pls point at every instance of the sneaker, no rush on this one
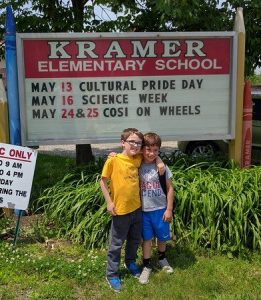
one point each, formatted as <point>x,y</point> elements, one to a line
<point>144,276</point>
<point>114,283</point>
<point>165,266</point>
<point>134,269</point>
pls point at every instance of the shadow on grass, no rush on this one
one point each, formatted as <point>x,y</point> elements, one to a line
<point>179,257</point>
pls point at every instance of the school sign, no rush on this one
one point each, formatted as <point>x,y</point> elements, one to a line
<point>85,88</point>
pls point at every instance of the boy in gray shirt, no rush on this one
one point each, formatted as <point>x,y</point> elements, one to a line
<point>156,206</point>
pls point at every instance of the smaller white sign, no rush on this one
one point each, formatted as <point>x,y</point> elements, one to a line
<point>17,166</point>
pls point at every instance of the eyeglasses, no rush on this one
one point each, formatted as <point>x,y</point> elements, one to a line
<point>134,143</point>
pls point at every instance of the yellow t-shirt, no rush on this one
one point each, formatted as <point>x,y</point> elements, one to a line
<point>124,184</point>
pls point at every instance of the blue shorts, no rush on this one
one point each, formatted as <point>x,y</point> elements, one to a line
<point>154,226</point>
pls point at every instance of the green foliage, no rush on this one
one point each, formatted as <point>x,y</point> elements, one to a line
<point>199,15</point>
<point>255,79</point>
<point>49,170</point>
<point>149,15</point>
<point>252,20</point>
<point>217,206</point>
<point>77,206</point>
<point>46,16</point>
<point>32,271</point>
<point>206,15</point>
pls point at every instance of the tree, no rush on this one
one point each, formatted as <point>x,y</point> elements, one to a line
<point>66,16</point>
<point>252,19</point>
<point>47,16</point>
<point>139,15</point>
<point>211,15</point>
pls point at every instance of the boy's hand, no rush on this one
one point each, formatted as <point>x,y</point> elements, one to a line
<point>112,154</point>
<point>161,168</point>
<point>111,209</point>
<point>167,216</point>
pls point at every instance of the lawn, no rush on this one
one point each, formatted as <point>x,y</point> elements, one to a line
<point>60,270</point>
<point>40,267</point>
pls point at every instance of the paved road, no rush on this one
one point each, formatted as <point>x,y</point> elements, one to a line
<point>97,149</point>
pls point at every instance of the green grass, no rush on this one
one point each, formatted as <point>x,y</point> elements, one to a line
<point>33,271</point>
<point>70,271</point>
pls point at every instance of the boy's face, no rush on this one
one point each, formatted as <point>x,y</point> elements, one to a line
<point>132,145</point>
<point>150,153</point>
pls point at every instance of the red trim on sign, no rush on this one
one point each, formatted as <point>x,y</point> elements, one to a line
<point>216,59</point>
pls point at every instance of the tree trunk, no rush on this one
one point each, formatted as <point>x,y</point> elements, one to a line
<point>84,154</point>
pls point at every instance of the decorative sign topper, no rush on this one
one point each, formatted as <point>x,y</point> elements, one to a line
<point>85,88</point>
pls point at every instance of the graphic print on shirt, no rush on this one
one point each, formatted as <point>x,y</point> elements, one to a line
<point>150,185</point>
<point>152,195</point>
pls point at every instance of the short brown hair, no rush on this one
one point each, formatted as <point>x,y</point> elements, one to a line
<point>152,139</point>
<point>129,131</point>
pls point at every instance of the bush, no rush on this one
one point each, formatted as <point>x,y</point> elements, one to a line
<point>217,206</point>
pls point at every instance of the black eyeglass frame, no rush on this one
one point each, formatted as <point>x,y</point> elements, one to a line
<point>134,143</point>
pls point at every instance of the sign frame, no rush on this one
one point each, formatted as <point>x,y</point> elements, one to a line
<point>26,140</point>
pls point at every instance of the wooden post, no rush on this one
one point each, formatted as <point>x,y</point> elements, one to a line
<point>83,154</point>
<point>4,127</point>
<point>235,146</point>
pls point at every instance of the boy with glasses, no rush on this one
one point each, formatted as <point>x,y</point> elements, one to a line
<point>123,204</point>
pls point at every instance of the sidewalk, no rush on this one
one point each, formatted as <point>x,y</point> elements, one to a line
<point>97,149</point>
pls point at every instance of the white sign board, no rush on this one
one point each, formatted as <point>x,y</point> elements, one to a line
<point>86,88</point>
<point>16,175</point>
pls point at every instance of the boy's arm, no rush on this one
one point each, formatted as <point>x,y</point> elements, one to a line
<point>167,216</point>
<point>106,194</point>
<point>160,165</point>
